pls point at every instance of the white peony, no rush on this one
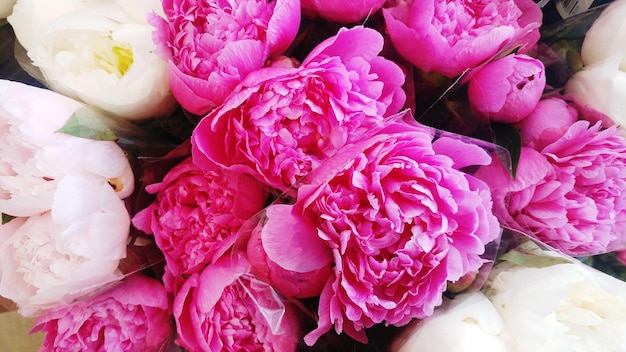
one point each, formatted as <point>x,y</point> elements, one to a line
<point>601,84</point>
<point>563,307</point>
<point>98,52</point>
<point>467,323</point>
<point>607,36</point>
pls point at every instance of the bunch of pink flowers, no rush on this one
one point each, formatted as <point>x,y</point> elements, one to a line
<point>306,200</point>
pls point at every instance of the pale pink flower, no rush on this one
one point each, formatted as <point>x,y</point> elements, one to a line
<point>447,37</point>
<point>211,45</point>
<point>67,192</point>
<point>398,222</point>
<point>225,309</point>
<point>131,316</point>
<point>197,213</point>
<point>282,122</point>
<point>507,89</point>
<point>340,10</point>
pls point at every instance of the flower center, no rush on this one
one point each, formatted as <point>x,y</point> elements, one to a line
<point>81,52</point>
<point>116,60</point>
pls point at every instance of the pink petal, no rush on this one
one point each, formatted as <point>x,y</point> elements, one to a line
<point>291,242</point>
<point>462,153</point>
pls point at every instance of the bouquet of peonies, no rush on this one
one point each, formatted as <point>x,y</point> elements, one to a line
<point>299,175</point>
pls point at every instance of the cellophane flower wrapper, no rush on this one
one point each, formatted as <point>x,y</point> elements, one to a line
<point>289,252</point>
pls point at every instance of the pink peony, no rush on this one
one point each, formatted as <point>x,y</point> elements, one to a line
<point>212,45</point>
<point>398,221</point>
<point>340,10</point>
<point>547,122</point>
<point>197,214</point>
<point>224,309</point>
<point>535,200</point>
<point>282,122</point>
<point>447,37</point>
<point>571,193</point>
<point>507,89</point>
<point>132,316</point>
<point>596,158</point>
<point>297,281</point>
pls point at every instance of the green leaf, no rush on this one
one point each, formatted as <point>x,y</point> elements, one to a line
<point>6,218</point>
<point>507,136</point>
<point>529,254</point>
<point>88,123</point>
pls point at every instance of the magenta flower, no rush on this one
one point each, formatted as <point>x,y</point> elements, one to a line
<point>282,122</point>
<point>535,201</point>
<point>132,316</point>
<point>211,45</point>
<point>398,222</point>
<point>596,158</point>
<point>571,193</point>
<point>507,89</point>
<point>311,258</point>
<point>537,131</point>
<point>224,309</point>
<point>340,10</point>
<point>197,213</point>
<point>456,35</point>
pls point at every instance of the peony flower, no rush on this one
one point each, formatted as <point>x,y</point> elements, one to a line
<point>30,17</point>
<point>131,316</point>
<point>601,86</point>
<point>547,122</point>
<point>282,122</point>
<point>212,45</point>
<point>399,222</point>
<point>312,267</point>
<point>224,309</point>
<point>606,36</point>
<point>475,322</point>
<point>67,252</point>
<point>458,35</point>
<point>569,192</point>
<point>35,158</point>
<point>341,11</point>
<point>6,8</point>
<point>98,52</point>
<point>197,213</point>
<point>535,201</point>
<point>563,307</point>
<point>507,89</point>
<point>596,158</point>
<point>75,226</point>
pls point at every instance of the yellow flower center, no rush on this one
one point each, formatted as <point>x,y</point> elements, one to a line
<point>116,60</point>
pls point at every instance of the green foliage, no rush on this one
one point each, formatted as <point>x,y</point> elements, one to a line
<point>88,123</point>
